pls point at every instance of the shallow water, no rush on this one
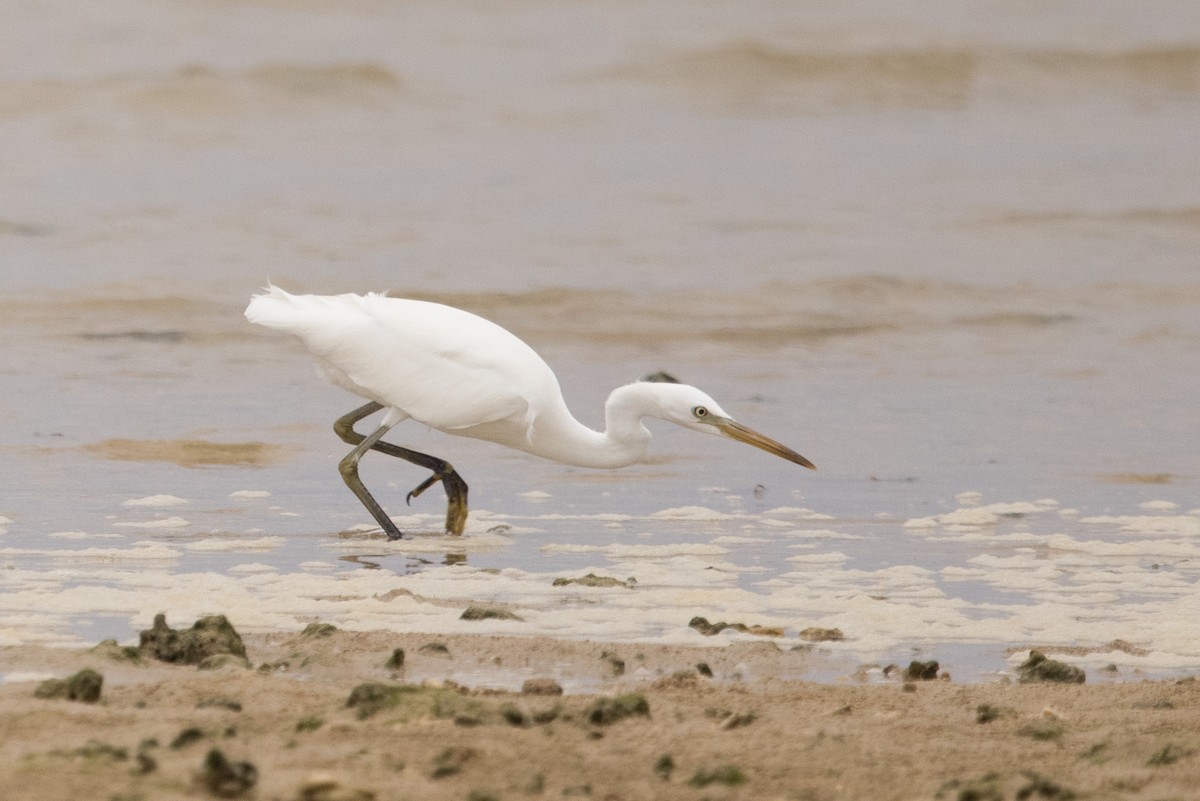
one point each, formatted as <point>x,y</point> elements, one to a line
<point>948,255</point>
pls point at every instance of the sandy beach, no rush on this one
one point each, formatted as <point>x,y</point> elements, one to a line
<point>321,715</point>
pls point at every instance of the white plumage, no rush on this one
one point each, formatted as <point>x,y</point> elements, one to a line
<point>442,366</point>
<point>459,373</point>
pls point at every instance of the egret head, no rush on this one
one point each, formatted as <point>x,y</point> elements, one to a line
<point>691,408</point>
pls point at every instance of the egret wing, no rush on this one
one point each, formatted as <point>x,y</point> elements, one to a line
<point>442,366</point>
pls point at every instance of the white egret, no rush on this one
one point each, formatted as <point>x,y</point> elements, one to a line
<point>463,375</point>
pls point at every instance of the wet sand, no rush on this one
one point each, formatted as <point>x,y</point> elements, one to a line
<point>947,253</point>
<point>669,732</point>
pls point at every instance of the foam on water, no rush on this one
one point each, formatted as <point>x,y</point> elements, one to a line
<point>1046,586</point>
<point>156,501</point>
<point>160,523</point>
<point>222,544</point>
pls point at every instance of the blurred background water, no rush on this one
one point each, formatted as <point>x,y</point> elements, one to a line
<point>939,250</point>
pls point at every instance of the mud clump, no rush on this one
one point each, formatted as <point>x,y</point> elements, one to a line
<point>592,580</point>
<point>319,630</point>
<point>396,660</point>
<point>921,671</point>
<point>1043,730</point>
<point>310,723</point>
<point>986,713</point>
<point>702,625</point>
<point>186,737</point>
<point>113,650</point>
<point>541,687</point>
<point>372,697</point>
<point>814,634</point>
<point>415,702</point>
<point>487,613</point>
<point>1039,668</point>
<point>219,702</point>
<point>1168,755</point>
<point>226,779</point>
<point>451,761</point>
<point>616,664</point>
<point>606,711</point>
<point>1037,786</point>
<point>207,637</point>
<point>97,751</point>
<point>83,686</point>
<point>727,775</point>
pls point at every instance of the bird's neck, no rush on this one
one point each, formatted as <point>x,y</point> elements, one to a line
<point>624,440</point>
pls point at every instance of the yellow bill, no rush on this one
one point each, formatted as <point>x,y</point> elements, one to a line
<point>735,430</point>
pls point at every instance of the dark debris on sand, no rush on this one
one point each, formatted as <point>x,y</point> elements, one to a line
<point>1040,668</point>
<point>702,625</point>
<point>226,779</point>
<point>208,636</point>
<point>83,686</point>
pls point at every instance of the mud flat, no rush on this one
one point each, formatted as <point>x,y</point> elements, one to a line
<point>327,714</point>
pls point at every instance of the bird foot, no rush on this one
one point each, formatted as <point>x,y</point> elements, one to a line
<point>456,497</point>
<point>445,474</point>
<point>424,485</point>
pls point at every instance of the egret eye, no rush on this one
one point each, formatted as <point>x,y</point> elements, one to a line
<point>700,412</point>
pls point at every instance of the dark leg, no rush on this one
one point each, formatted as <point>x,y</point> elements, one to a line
<point>456,488</point>
<point>348,467</point>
